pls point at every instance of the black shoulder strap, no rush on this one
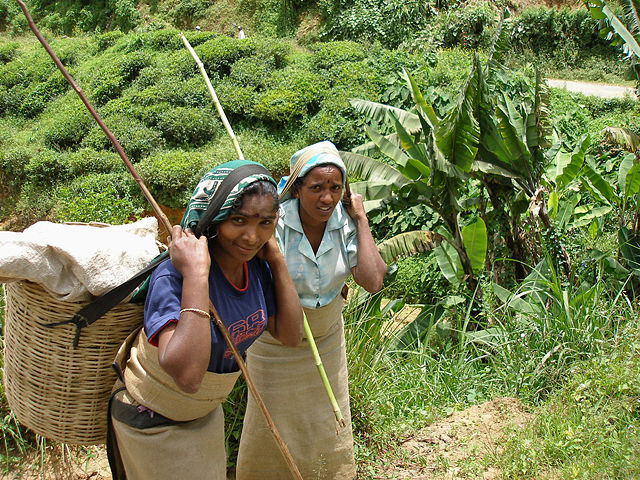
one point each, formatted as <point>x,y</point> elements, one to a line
<point>101,305</point>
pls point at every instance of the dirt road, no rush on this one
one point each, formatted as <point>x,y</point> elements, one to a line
<point>592,88</point>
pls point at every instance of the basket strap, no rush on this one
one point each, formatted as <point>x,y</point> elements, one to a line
<point>102,304</point>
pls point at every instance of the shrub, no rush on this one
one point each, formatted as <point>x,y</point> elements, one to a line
<point>136,139</point>
<point>13,162</point>
<point>280,106</point>
<point>328,55</point>
<point>469,27</point>
<point>8,51</point>
<point>66,122</point>
<point>185,13</point>
<point>109,82</point>
<point>252,72</point>
<point>418,280</point>
<point>171,176</point>
<point>46,168</point>
<point>188,127</point>
<point>86,160</point>
<point>72,16</point>
<point>107,39</point>
<point>39,94</point>
<point>103,197</point>
<point>34,203</point>
<point>235,99</point>
<point>218,54</point>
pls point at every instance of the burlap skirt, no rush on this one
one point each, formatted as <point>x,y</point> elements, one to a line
<point>288,382</point>
<point>192,449</point>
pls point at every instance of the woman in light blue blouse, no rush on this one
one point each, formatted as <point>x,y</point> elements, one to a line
<point>323,241</point>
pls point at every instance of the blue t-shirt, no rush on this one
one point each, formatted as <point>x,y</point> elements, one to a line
<point>243,311</point>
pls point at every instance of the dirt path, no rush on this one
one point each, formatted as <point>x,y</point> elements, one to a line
<point>592,88</point>
<point>452,448</point>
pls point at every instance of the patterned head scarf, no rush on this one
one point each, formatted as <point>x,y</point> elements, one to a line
<point>305,160</point>
<point>206,190</point>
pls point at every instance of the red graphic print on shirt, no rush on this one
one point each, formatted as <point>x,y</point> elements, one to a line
<point>246,329</point>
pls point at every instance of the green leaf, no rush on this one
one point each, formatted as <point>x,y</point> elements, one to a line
<point>416,94</point>
<point>372,190</point>
<point>474,238</point>
<point>599,186</point>
<point>552,204</point>
<point>512,301</point>
<point>584,215</point>
<point>368,168</point>
<point>407,244</point>
<point>379,112</point>
<point>449,263</point>
<point>625,165</point>
<point>632,182</point>
<point>629,247</point>
<point>593,229</point>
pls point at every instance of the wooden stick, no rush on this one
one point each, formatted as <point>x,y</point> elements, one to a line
<point>216,102</point>
<point>165,221</point>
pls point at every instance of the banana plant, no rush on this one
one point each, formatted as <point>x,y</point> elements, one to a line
<point>431,160</point>
<point>623,31</point>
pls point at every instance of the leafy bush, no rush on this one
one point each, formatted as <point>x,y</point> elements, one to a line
<point>65,122</point>
<point>252,72</point>
<point>188,127</point>
<point>172,175</point>
<point>107,39</point>
<point>102,197</point>
<point>109,82</point>
<point>46,168</point>
<point>279,105</point>
<point>85,161</point>
<point>8,51</point>
<point>185,13</point>
<point>38,95</point>
<point>329,54</point>
<point>13,162</point>
<point>136,139</point>
<point>218,54</point>
<point>468,27</point>
<point>71,16</point>
<point>418,280</point>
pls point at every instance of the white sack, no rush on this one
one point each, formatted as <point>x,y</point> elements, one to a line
<point>74,262</point>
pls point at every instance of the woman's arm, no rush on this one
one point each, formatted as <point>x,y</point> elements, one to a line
<point>370,270</point>
<point>184,347</point>
<point>286,324</point>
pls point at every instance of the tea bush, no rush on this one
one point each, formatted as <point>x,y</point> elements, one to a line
<point>46,168</point>
<point>38,95</point>
<point>328,55</point>
<point>136,139</point>
<point>187,127</point>
<point>172,175</point>
<point>8,51</point>
<point>103,197</point>
<point>218,54</point>
<point>86,160</point>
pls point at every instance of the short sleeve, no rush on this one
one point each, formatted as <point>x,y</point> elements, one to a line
<point>351,243</point>
<point>162,304</point>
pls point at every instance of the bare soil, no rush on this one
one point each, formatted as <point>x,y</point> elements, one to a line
<point>443,449</point>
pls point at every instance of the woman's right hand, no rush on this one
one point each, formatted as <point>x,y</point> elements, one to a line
<point>189,255</point>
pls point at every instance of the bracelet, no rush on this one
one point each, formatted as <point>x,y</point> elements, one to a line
<point>196,310</point>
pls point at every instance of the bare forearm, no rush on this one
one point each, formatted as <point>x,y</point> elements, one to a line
<point>185,355</point>
<point>370,270</point>
<point>288,318</point>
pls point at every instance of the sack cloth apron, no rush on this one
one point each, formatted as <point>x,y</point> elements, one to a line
<point>185,433</point>
<point>303,415</point>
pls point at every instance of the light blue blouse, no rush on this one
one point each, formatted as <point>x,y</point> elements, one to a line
<point>318,277</point>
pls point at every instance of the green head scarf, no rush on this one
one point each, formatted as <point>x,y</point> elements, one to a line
<point>208,186</point>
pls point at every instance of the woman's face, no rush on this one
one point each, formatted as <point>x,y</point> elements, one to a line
<point>247,229</point>
<point>320,192</point>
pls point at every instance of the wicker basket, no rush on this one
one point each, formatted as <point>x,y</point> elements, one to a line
<point>55,390</point>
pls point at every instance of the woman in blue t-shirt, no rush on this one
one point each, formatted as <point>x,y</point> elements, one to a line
<point>166,417</point>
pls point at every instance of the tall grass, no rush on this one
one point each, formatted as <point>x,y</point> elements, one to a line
<point>531,350</point>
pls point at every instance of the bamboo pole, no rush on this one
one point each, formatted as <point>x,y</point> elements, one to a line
<point>165,221</point>
<point>216,102</point>
<point>323,374</point>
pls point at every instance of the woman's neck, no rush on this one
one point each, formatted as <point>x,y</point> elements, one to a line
<point>232,269</point>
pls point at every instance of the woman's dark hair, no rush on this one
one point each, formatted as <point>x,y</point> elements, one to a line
<point>297,183</point>
<point>261,187</point>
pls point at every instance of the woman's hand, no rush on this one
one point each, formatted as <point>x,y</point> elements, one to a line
<point>270,252</point>
<point>355,207</point>
<point>189,255</point>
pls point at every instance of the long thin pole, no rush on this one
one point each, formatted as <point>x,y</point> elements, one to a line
<point>212,92</point>
<point>165,221</point>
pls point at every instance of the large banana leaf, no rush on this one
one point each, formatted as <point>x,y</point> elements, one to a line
<point>449,262</point>
<point>630,248</point>
<point>426,108</point>
<point>632,182</point>
<point>408,244</point>
<point>474,238</point>
<point>596,184</point>
<point>623,137</point>
<point>458,133</point>
<point>366,167</point>
<point>417,157</point>
<point>512,130</point>
<point>372,190</point>
<point>371,148</point>
<point>379,112</point>
<point>585,214</point>
<point>600,11</point>
<point>566,166</point>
